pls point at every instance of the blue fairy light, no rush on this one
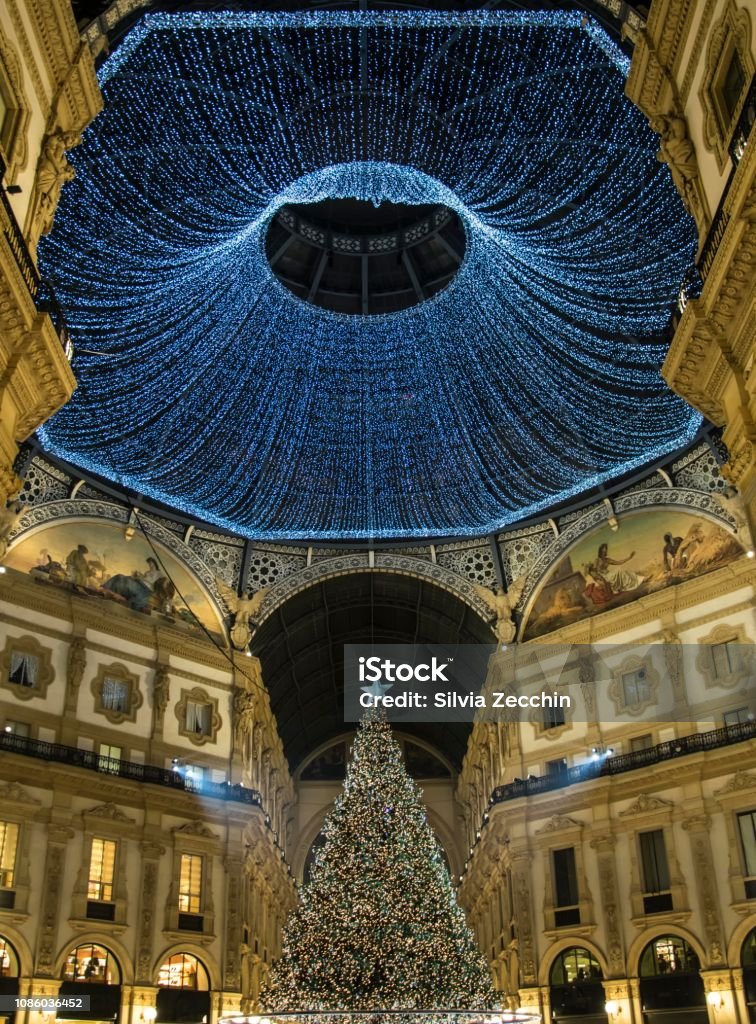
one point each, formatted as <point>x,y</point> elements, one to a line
<point>532,377</point>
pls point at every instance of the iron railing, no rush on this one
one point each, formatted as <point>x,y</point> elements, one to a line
<point>670,749</point>
<point>150,773</point>
<point>744,127</point>
<point>40,290</point>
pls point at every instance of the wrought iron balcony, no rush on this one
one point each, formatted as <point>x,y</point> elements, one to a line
<point>149,773</point>
<point>622,763</point>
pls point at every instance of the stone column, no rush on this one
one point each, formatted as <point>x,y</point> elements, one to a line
<point>706,885</point>
<point>604,845</point>
<point>523,911</point>
<point>232,961</point>
<point>151,854</point>
<point>47,941</point>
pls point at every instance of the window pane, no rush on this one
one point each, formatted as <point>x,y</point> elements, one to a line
<point>18,728</point>
<point>24,669</point>
<point>198,718</point>
<point>747,825</point>
<point>101,870</point>
<point>553,718</point>
<point>190,884</point>
<point>8,845</point>
<point>109,759</point>
<point>654,861</point>
<point>565,878</point>
<point>737,717</point>
<point>115,694</point>
<point>642,742</point>
<point>723,656</point>
<point>732,84</point>
<point>635,687</point>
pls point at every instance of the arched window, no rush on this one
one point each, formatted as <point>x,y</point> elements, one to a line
<point>96,967</point>
<point>8,960</point>
<point>576,989</point>
<point>183,970</point>
<point>92,964</point>
<point>184,996</point>
<point>670,981</point>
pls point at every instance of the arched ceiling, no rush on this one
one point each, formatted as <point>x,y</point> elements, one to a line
<point>534,375</point>
<point>301,651</point>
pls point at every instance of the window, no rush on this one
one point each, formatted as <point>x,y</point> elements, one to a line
<point>8,960</point>
<point>731,88</point>
<point>557,766</point>
<point>642,742</point>
<point>24,669</point>
<point>101,870</point>
<point>565,887</point>
<point>635,687</point>
<point>116,695</point>
<point>8,847</point>
<point>747,829</point>
<point>109,759</point>
<point>199,718</point>
<point>668,955</point>
<point>190,884</point>
<point>194,775</point>
<point>740,716</point>
<point>655,872</point>
<point>724,658</point>
<point>18,728</point>
<point>182,970</point>
<point>575,965</point>
<point>553,718</point>
<point>93,964</point>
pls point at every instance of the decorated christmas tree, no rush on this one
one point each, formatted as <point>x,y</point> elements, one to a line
<point>378,926</point>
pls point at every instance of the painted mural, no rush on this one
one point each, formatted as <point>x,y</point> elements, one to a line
<point>95,559</point>
<point>610,568</point>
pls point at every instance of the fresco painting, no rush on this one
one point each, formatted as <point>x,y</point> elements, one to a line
<point>610,568</point>
<point>95,559</point>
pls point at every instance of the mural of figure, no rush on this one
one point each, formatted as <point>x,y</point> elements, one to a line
<point>143,590</point>
<point>670,557</point>
<point>620,580</point>
<point>77,566</point>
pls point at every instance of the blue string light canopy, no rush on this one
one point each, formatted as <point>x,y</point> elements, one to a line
<point>534,375</point>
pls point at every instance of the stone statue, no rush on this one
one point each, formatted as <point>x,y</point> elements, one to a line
<point>245,610</point>
<point>53,170</point>
<point>9,517</point>
<point>502,603</point>
<point>244,716</point>
<point>77,662</point>
<point>677,152</point>
<point>161,689</point>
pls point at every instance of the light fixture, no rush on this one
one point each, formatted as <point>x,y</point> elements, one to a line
<point>149,1013</point>
<point>613,1008</point>
<point>297,415</point>
<point>750,553</point>
<point>2,568</point>
<point>714,999</point>
<point>12,190</point>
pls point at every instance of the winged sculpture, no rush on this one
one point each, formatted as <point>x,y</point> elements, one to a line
<point>245,610</point>
<point>502,603</point>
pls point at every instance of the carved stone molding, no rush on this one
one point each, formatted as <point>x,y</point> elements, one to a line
<point>645,803</point>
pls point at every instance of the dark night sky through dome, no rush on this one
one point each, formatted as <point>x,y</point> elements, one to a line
<point>533,376</point>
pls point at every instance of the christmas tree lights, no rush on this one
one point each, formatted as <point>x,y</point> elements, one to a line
<point>378,926</point>
<point>205,384</point>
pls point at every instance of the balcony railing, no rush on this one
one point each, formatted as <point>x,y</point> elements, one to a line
<point>40,290</point>
<point>744,127</point>
<point>667,751</point>
<point>150,773</point>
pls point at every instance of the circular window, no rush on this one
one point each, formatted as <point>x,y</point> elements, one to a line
<point>351,256</point>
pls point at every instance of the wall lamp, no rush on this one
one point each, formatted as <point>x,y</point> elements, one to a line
<point>714,999</point>
<point>149,1013</point>
<point>613,1009</point>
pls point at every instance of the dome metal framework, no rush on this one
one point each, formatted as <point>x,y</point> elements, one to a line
<point>529,377</point>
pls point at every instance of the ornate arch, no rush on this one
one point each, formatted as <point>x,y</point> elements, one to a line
<point>107,941</point>
<point>21,948</point>
<point>35,517</point>
<point>680,499</point>
<point>204,957</point>
<point>640,942</point>
<point>362,562</point>
<point>739,934</point>
<point>570,942</point>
